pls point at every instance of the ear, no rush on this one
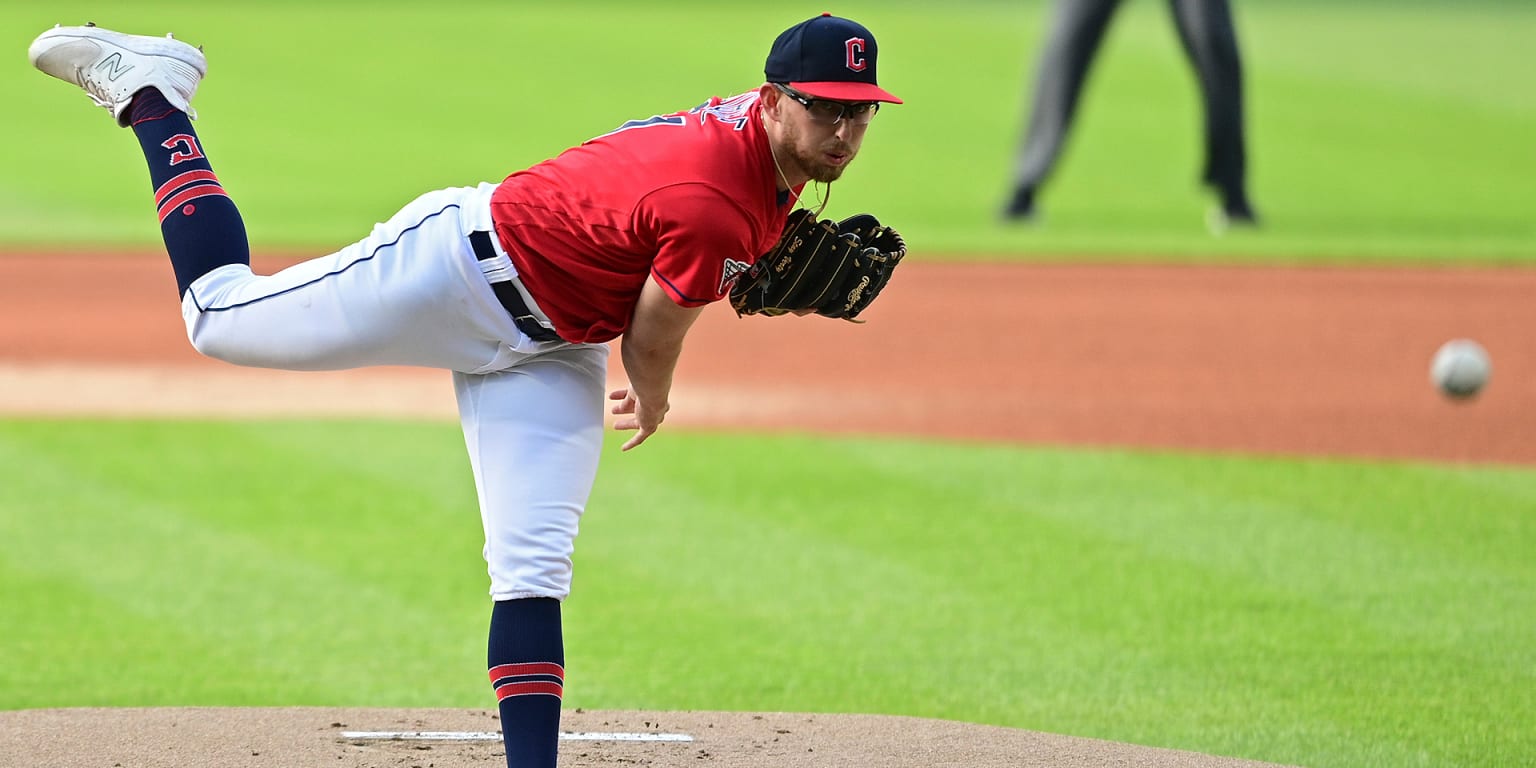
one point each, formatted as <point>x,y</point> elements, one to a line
<point>768,98</point>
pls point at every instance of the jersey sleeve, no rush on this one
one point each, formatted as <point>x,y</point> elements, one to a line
<point>703,241</point>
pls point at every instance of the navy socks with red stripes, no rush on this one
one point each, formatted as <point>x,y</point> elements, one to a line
<point>526,655</point>
<point>200,224</point>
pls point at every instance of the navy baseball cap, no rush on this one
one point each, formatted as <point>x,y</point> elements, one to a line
<point>829,58</point>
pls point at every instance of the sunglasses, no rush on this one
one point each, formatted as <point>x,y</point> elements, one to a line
<point>832,112</point>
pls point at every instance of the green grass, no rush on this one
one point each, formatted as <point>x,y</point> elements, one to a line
<point>1384,132</point>
<point>1306,612</point>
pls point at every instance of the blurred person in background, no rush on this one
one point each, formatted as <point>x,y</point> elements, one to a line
<point>1209,39</point>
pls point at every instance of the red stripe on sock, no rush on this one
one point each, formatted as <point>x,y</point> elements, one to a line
<point>530,688</point>
<point>204,190</point>
<point>182,180</point>
<point>147,118</point>
<point>535,668</point>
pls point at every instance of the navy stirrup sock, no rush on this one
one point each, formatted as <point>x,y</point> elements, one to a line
<point>200,224</point>
<point>526,655</point>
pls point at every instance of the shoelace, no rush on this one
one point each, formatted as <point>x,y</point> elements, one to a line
<point>97,93</point>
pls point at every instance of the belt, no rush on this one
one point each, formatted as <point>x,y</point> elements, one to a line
<point>507,293</point>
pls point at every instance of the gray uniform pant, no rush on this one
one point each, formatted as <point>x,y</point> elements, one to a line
<point>1209,39</point>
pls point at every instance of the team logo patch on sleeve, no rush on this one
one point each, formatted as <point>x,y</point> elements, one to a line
<point>730,271</point>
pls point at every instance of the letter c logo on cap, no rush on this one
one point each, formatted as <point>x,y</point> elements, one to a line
<point>855,48</point>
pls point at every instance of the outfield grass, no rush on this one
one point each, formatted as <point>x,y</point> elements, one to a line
<point>1308,612</point>
<point>1379,131</point>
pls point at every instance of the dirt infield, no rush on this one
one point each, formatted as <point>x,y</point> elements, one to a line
<point>1302,361</point>
<point>326,738</point>
<point>1296,361</point>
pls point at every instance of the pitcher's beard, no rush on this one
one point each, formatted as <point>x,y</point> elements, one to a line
<point>826,174</point>
<point>820,171</point>
<point>810,163</point>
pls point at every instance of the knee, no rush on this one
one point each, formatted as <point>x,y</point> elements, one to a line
<point>205,342</point>
<point>222,341</point>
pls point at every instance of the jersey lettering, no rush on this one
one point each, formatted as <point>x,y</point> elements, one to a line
<point>735,111</point>
<point>653,120</point>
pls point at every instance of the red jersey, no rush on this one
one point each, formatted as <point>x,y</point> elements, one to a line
<point>689,197</point>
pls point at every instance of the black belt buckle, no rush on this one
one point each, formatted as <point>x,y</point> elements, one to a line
<point>511,300</point>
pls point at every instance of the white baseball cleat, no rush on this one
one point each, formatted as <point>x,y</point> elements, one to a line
<point>112,66</point>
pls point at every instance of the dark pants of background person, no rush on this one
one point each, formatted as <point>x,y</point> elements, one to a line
<point>1209,39</point>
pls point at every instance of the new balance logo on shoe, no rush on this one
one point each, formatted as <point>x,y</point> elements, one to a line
<point>113,67</point>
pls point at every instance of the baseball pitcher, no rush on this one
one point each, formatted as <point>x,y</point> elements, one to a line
<point>517,287</point>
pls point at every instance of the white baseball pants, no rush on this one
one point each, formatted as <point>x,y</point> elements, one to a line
<point>413,293</point>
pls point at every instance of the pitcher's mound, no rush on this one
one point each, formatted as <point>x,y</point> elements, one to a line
<point>447,738</point>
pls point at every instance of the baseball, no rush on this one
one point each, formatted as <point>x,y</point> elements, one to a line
<point>1460,368</point>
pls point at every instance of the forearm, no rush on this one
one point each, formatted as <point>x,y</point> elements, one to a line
<point>650,350</point>
<point>649,364</point>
